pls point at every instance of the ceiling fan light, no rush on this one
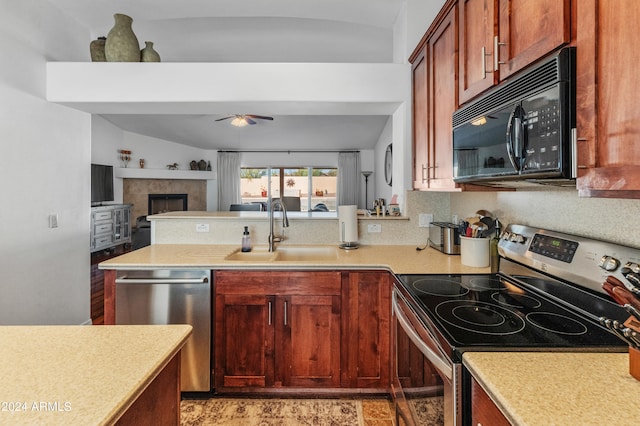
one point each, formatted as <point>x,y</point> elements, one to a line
<point>239,122</point>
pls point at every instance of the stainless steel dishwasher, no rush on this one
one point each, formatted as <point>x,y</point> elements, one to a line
<point>165,296</point>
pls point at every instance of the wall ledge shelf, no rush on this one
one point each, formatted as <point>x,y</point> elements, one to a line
<point>136,173</point>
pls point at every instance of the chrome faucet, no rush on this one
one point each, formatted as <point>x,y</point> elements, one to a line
<point>285,223</point>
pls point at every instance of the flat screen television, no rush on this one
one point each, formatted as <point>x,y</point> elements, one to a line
<point>101,184</point>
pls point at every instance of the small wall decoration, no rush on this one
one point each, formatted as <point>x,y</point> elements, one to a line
<point>173,166</point>
<point>388,165</point>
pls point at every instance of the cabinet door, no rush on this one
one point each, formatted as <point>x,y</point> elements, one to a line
<point>483,410</point>
<point>607,113</point>
<point>308,335</point>
<point>244,340</point>
<point>367,323</point>
<point>528,30</point>
<point>477,29</point>
<point>420,120</point>
<point>443,101</point>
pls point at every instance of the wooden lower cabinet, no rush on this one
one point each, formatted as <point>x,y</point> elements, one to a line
<point>366,321</point>
<point>277,329</point>
<point>484,411</point>
<point>301,329</point>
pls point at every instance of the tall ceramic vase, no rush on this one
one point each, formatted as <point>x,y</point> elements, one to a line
<point>122,44</point>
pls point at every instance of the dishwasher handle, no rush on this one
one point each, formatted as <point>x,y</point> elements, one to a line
<point>124,280</point>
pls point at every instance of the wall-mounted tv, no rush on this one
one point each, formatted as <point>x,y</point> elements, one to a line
<point>101,184</point>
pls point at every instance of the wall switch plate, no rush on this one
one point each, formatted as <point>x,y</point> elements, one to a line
<point>424,219</point>
<point>374,228</point>
<point>454,219</point>
<point>53,220</point>
<point>202,227</point>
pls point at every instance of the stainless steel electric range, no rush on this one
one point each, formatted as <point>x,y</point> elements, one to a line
<point>547,296</point>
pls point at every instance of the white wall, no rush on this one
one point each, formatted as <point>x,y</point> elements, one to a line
<point>44,169</point>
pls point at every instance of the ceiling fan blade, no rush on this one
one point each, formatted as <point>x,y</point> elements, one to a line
<point>248,120</point>
<point>225,118</point>
<point>261,117</point>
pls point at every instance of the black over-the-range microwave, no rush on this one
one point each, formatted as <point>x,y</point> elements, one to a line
<point>521,130</point>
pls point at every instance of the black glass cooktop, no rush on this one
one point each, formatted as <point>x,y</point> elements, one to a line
<point>492,311</point>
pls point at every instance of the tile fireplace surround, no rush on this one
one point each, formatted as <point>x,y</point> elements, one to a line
<point>136,192</point>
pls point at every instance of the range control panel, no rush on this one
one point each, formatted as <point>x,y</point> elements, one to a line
<point>570,257</point>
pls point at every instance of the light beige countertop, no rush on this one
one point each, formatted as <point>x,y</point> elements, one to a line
<point>80,375</point>
<point>555,388</point>
<point>397,259</point>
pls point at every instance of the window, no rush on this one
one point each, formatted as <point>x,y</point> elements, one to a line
<point>315,187</point>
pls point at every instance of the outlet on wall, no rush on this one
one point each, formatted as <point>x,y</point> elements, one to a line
<point>424,219</point>
<point>374,228</point>
<point>202,227</point>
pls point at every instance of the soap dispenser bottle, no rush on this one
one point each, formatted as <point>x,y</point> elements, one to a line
<point>246,240</point>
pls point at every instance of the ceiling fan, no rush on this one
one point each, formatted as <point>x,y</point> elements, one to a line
<point>240,120</point>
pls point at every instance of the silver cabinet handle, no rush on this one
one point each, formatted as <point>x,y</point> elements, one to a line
<point>484,62</point>
<point>285,312</point>
<point>496,54</point>
<point>269,313</point>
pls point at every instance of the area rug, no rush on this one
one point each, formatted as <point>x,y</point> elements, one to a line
<point>264,412</point>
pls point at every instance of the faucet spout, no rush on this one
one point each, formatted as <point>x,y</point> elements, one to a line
<point>285,223</point>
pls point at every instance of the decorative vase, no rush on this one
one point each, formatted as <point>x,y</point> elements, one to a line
<point>122,44</point>
<point>148,54</point>
<point>96,48</point>
<point>208,166</point>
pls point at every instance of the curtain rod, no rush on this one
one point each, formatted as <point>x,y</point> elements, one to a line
<point>288,151</point>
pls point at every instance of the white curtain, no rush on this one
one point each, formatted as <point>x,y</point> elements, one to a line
<point>348,178</point>
<point>228,180</point>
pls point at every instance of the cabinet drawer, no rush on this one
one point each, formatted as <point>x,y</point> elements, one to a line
<point>102,240</point>
<point>106,215</point>
<point>102,228</point>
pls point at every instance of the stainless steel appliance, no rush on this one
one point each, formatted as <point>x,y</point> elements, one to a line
<point>546,296</point>
<point>172,297</point>
<point>523,129</point>
<point>445,237</point>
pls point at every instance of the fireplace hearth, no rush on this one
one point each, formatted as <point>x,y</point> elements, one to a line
<point>162,203</point>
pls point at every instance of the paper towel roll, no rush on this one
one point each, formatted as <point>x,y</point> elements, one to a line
<point>348,224</point>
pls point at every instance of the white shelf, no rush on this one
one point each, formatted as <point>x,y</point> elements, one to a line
<point>136,173</point>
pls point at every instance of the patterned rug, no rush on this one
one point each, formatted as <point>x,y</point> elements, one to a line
<point>317,412</point>
<point>263,412</point>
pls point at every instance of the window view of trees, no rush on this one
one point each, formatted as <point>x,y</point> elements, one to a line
<point>314,187</point>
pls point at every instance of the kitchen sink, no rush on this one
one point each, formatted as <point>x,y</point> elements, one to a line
<point>305,253</point>
<point>285,254</point>
<point>258,254</point>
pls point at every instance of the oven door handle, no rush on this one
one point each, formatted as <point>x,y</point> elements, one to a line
<point>439,363</point>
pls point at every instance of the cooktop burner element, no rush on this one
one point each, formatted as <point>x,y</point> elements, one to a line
<point>439,287</point>
<point>556,323</point>
<point>483,283</point>
<point>480,317</point>
<point>516,300</point>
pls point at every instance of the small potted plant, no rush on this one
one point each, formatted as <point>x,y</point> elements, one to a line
<point>263,191</point>
<point>319,192</point>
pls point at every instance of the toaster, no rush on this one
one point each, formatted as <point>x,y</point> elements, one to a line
<point>444,236</point>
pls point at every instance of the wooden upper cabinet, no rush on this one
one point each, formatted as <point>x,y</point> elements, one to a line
<point>477,31</point>
<point>608,117</point>
<point>521,32</point>
<point>528,30</point>
<point>442,101</point>
<point>435,70</point>
<point>420,120</point>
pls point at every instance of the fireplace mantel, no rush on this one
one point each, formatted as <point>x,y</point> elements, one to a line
<point>135,173</point>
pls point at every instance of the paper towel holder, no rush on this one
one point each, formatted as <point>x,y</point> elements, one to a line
<point>348,227</point>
